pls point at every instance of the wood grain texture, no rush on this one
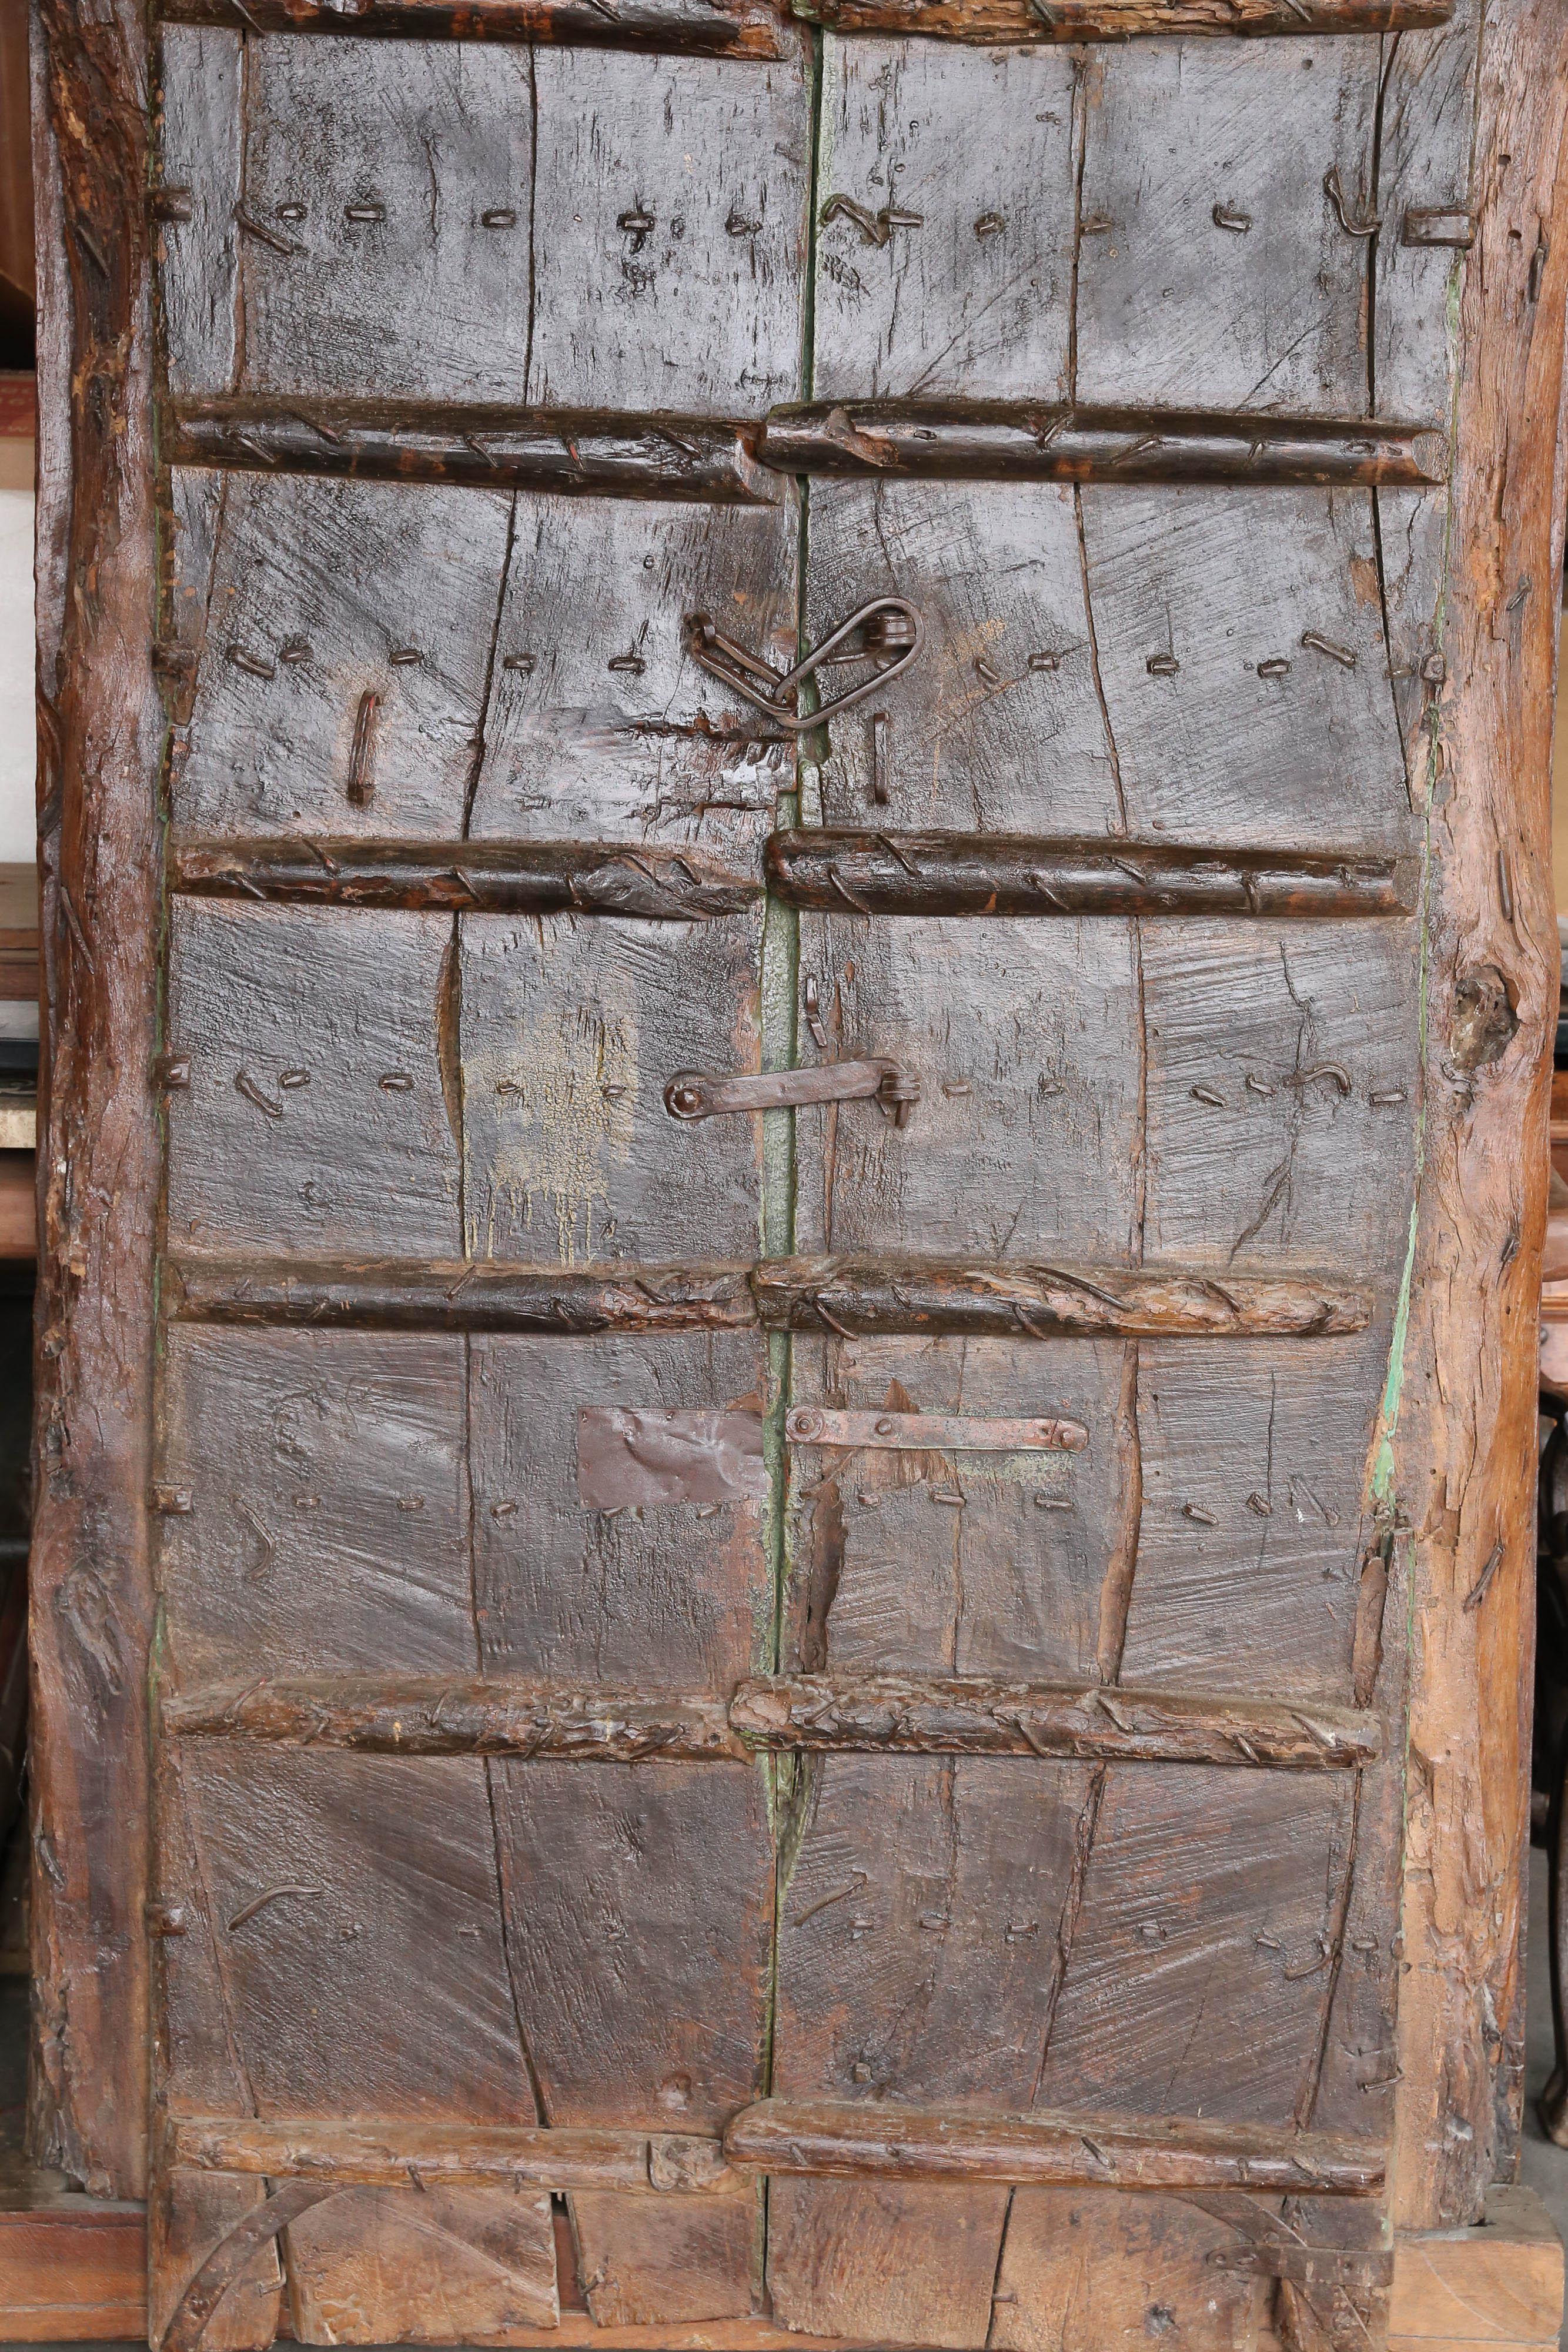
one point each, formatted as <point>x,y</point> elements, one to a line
<point>730,28</point>
<point>1119,20</point>
<point>1463,1462</point>
<point>98,736</point>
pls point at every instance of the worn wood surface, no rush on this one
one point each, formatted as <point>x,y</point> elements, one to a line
<point>98,736</point>
<point>1463,1466</point>
<point>507,375</point>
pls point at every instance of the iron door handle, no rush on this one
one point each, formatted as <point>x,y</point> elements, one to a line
<point>704,1094</point>
<point>889,633</point>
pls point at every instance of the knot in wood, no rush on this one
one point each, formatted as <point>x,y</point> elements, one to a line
<point>1485,1020</point>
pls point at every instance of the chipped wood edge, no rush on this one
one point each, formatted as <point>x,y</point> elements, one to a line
<point>1458,1462</point>
<point>99,734</point>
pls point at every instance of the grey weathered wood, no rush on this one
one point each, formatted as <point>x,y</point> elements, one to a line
<point>600,727</point>
<point>1172,307</point>
<point>571,1029</point>
<point>971,296</point>
<point>1214,750</point>
<point>692,313</point>
<point>1024,1040</point>
<point>1281,1092</point>
<point>320,593</point>
<point>199,162</point>
<point>1251,1538</point>
<point>345,1006</point>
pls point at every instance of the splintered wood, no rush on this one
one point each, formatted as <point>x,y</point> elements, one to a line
<point>824,1052</point>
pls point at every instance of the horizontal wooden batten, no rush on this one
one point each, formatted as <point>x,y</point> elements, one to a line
<point>716,28</point>
<point>1017,441</point>
<point>854,1296</point>
<point>970,1715</point>
<point>994,874</point>
<point>466,876</point>
<point>690,460</point>
<point>877,2140</point>
<point>357,2152</point>
<point>952,1715</point>
<point>988,21</point>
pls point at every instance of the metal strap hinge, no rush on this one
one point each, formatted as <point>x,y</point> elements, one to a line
<point>702,1094</point>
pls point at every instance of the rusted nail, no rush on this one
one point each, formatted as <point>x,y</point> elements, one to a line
<point>172,1071</point>
<point>1275,667</point>
<point>166,1919</point>
<point>989,225</point>
<point>251,227</point>
<point>291,212</point>
<point>506,1510</point>
<point>273,1894</point>
<point>294,651</point>
<point>987,672</point>
<point>361,786</point>
<point>245,1085</point>
<point>1162,665</point>
<point>738,226</point>
<point>1224,216</point>
<point>1383,1096</point>
<point>949,1495</point>
<point>1045,660</point>
<point>1259,1506</point>
<point>814,1012</point>
<point>638,225</point>
<point>631,664</point>
<point>404,656</point>
<point>498,216</point>
<point>1477,1591</point>
<point>1434,669</point>
<point>612,1089</point>
<point>1196,1511</point>
<point>171,1502</point>
<point>878,757</point>
<point>1518,596</point>
<point>876,227</point>
<point>253,664</point>
<point>1208,1094</point>
<point>1256,1086</point>
<point>1317,643</point>
<point>1504,887</point>
<point>293,1079</point>
<point>172,205</point>
<point>367,211</point>
<point>1439,224</point>
<point>521,663</point>
<point>1353,222</point>
<point>1335,1070</point>
<point>395,1082</point>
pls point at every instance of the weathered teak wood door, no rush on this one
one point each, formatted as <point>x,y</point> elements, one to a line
<point>783,1602</point>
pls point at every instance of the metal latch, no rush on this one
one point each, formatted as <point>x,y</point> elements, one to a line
<point>888,632</point>
<point>701,1094</point>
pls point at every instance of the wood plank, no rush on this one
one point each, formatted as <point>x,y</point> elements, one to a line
<point>1266,317</point>
<point>1499,2283</point>
<point>98,748</point>
<point>571,1030</point>
<point>1464,1445</point>
<point>311,1046</point>
<point>18,1205</point>
<point>73,2271</point>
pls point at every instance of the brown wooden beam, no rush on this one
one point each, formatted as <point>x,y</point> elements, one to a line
<point>1018,441</point>
<point>717,28</point>
<point>999,874</point>
<point>370,2153</point>
<point>587,452</point>
<point>970,1715</point>
<point>954,1714</point>
<point>988,21</point>
<point>875,2140</point>
<point>852,1296</point>
<point>466,876</point>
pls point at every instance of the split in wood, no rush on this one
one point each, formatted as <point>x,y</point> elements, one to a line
<point>1012,441</point>
<point>985,874</point>
<point>954,1714</point>
<point>852,1297</point>
<point>877,2140</point>
<point>586,452</point>
<point>466,876</point>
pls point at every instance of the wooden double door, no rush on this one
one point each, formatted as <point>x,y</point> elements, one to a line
<point>800,669</point>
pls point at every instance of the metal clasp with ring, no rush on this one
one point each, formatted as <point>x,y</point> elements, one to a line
<point>889,633</point>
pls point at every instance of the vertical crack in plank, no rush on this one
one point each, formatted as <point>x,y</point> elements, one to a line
<point>477,746</point>
<point>1066,1921</point>
<point>533,217</point>
<point>1335,1927</point>
<point>236,381</point>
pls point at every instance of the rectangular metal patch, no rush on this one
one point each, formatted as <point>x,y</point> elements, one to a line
<point>673,1457</point>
